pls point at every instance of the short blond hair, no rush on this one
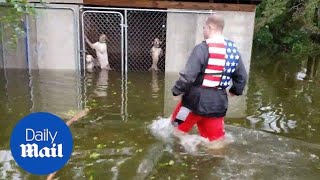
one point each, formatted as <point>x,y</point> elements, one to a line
<point>216,19</point>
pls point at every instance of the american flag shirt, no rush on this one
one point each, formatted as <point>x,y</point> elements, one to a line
<point>222,62</point>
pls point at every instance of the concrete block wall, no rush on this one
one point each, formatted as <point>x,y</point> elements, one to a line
<point>179,39</point>
<point>54,38</point>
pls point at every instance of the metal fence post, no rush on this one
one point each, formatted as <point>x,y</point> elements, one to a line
<point>2,45</point>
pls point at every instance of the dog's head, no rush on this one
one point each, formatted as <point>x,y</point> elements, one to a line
<point>304,70</point>
<point>103,38</point>
<point>89,58</point>
<point>156,42</point>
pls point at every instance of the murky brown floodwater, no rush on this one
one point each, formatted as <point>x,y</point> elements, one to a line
<point>279,138</point>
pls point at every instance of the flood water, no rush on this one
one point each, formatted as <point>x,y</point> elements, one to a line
<point>126,135</point>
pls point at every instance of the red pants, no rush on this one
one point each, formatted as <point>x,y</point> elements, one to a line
<point>210,128</point>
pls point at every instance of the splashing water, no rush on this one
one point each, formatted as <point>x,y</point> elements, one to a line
<point>163,130</point>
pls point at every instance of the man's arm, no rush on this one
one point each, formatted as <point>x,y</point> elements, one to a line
<point>239,79</point>
<point>190,72</point>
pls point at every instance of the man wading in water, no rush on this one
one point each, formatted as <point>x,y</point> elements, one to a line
<point>211,67</point>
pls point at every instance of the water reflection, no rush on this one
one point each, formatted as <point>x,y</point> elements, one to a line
<point>17,97</point>
<point>8,165</point>
<point>58,92</point>
<point>105,91</point>
<point>155,84</point>
<point>101,88</point>
<point>150,160</point>
<point>280,103</point>
<point>145,94</point>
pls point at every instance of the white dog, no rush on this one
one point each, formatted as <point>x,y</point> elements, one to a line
<point>91,63</point>
<point>101,51</point>
<point>302,74</point>
<point>156,52</point>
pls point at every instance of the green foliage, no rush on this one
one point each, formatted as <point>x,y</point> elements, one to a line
<point>264,37</point>
<point>288,26</point>
<point>269,10</point>
<point>12,16</point>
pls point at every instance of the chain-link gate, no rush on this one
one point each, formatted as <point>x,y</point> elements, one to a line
<point>143,28</point>
<point>96,23</point>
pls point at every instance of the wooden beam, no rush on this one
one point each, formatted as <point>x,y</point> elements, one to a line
<point>172,5</point>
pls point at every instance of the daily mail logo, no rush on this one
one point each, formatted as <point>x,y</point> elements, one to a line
<point>41,143</point>
<point>32,150</point>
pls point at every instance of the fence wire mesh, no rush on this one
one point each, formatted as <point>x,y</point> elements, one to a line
<point>96,23</point>
<point>143,28</point>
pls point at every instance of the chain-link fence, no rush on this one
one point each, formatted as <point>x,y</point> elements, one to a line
<point>143,28</point>
<point>95,23</point>
<point>140,29</point>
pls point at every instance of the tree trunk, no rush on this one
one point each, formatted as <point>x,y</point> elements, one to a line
<point>276,67</point>
<point>316,65</point>
<point>310,67</point>
<point>318,15</point>
<point>316,59</point>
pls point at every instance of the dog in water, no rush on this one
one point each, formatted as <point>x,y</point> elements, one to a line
<point>156,53</point>
<point>101,50</point>
<point>302,74</point>
<point>92,64</point>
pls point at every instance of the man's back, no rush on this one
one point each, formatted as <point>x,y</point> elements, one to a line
<point>207,101</point>
<point>211,67</point>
